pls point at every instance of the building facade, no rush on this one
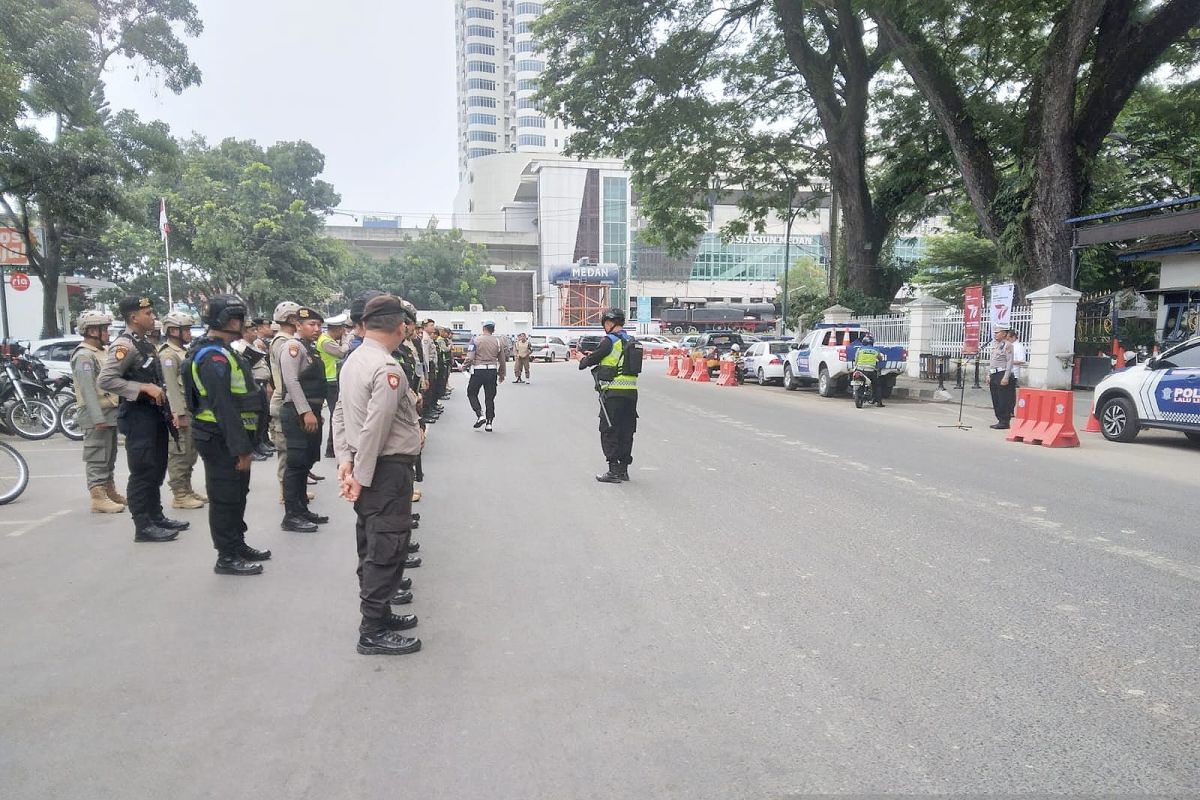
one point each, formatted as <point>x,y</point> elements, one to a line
<point>498,70</point>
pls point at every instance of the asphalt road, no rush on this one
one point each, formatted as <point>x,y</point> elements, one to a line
<point>792,597</point>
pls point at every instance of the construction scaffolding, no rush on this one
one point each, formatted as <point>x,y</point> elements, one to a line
<point>582,303</point>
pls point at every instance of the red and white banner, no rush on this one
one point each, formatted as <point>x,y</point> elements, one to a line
<point>1002,301</point>
<point>972,319</point>
<point>164,227</point>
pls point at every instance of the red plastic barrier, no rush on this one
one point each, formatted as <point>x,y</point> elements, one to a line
<point>728,376</point>
<point>685,367</point>
<point>672,366</point>
<point>700,370</point>
<point>1045,417</point>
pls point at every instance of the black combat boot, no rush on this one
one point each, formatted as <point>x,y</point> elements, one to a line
<point>312,516</point>
<point>297,523</point>
<point>414,546</point>
<point>412,563</point>
<point>403,597</point>
<point>248,553</point>
<point>406,583</point>
<point>624,473</point>
<point>149,532</point>
<point>382,642</point>
<point>236,565</point>
<point>395,622</point>
<point>613,475</point>
<point>171,524</point>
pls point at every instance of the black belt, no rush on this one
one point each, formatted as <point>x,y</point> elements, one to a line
<point>398,458</point>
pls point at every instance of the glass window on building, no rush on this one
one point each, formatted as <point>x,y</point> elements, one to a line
<point>524,27</point>
<point>476,152</point>
<point>481,66</point>
<point>527,103</point>
<point>481,83</point>
<point>481,136</point>
<point>481,102</point>
<point>530,65</point>
<point>528,8</point>
<point>526,47</point>
<point>531,140</point>
<point>481,49</point>
<point>614,219</point>
<point>480,13</point>
<point>481,30</point>
<point>527,85</point>
<point>481,119</point>
<point>531,122</point>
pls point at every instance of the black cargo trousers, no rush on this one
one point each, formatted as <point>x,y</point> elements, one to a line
<point>383,530</point>
<point>619,426</point>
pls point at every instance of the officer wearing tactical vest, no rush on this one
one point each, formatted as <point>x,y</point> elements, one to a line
<point>616,364</point>
<point>97,413</point>
<point>226,405</point>
<point>331,346</point>
<point>181,454</point>
<point>303,388</point>
<point>867,358</point>
<point>132,371</point>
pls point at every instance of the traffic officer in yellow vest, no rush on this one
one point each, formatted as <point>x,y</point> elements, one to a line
<point>332,347</point>
<point>97,413</point>
<point>303,394</point>
<point>616,381</point>
<point>226,405</point>
<point>133,372</point>
<point>181,454</point>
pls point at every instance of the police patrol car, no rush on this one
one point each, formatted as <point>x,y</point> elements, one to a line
<point>1163,392</point>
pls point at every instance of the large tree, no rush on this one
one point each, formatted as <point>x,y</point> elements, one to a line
<point>704,99</point>
<point>1025,92</point>
<point>440,271</point>
<point>63,175</point>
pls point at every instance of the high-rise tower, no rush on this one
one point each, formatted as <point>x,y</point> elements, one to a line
<point>498,70</point>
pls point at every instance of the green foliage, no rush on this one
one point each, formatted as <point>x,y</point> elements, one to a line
<point>807,307</point>
<point>954,261</point>
<point>440,270</point>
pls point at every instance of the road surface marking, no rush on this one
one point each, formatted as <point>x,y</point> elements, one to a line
<point>37,524</point>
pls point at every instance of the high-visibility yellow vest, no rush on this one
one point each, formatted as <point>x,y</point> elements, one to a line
<point>867,358</point>
<point>329,361</point>
<point>627,383</point>
<point>248,404</point>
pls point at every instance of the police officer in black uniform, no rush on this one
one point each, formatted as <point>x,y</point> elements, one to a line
<point>132,372</point>
<point>226,406</point>
<point>304,389</point>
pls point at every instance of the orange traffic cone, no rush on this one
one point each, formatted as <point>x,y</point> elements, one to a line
<point>1119,354</point>
<point>1093,424</point>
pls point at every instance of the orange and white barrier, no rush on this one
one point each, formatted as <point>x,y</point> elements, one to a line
<point>672,366</point>
<point>700,371</point>
<point>1045,417</point>
<point>728,376</point>
<point>686,365</point>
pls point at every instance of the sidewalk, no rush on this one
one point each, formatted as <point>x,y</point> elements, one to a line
<point>926,391</point>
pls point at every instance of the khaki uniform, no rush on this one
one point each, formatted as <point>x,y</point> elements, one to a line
<point>278,344</point>
<point>182,454</point>
<point>376,429</point>
<point>487,358</point>
<point>95,408</point>
<point>522,355</point>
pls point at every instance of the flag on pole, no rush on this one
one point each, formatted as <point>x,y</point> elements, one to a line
<point>164,227</point>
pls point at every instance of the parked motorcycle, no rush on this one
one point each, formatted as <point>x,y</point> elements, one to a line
<point>26,405</point>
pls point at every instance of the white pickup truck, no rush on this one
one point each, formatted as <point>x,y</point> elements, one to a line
<point>823,356</point>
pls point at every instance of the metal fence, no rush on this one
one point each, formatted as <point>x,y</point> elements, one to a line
<point>888,329</point>
<point>948,331</point>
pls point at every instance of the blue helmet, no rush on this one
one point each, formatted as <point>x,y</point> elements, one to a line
<point>867,339</point>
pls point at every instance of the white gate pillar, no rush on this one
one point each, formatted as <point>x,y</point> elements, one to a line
<point>921,315</point>
<point>1051,342</point>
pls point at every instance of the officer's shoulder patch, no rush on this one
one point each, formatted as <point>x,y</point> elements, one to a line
<point>393,380</point>
<point>219,358</point>
<point>120,351</point>
<point>294,350</point>
<point>86,366</point>
<point>168,362</point>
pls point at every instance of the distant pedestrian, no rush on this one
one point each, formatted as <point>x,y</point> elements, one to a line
<point>1003,388</point>
<point>487,358</point>
<point>377,436</point>
<point>1020,357</point>
<point>522,355</point>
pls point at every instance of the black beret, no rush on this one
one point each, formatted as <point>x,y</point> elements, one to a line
<point>383,304</point>
<point>309,313</point>
<point>360,303</point>
<point>130,304</point>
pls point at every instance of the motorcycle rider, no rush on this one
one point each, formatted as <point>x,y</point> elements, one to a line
<point>867,359</point>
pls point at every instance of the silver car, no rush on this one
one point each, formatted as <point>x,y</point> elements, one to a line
<point>549,348</point>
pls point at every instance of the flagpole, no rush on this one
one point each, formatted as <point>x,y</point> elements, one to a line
<point>167,249</point>
<point>164,230</point>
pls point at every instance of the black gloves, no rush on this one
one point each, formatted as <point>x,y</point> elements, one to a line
<point>582,366</point>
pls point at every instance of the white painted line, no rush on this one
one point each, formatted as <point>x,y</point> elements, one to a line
<point>62,475</point>
<point>37,524</point>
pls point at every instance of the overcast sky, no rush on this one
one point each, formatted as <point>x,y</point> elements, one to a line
<point>370,83</point>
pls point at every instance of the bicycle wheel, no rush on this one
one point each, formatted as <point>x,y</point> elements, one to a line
<point>14,473</point>
<point>33,419</point>
<point>68,421</point>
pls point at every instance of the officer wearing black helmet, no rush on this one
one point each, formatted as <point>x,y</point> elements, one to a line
<point>226,407</point>
<point>616,364</point>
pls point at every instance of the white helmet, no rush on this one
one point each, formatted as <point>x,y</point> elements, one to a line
<point>284,310</point>
<point>737,348</point>
<point>339,321</point>
<point>176,319</point>
<point>92,318</point>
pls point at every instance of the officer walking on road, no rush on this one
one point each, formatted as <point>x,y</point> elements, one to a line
<point>181,453</point>
<point>378,437</point>
<point>97,413</point>
<point>487,358</point>
<point>226,405</point>
<point>616,364</point>
<point>132,371</point>
<point>303,376</point>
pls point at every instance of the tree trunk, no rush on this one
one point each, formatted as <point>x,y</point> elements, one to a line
<point>860,251</point>
<point>1056,197</point>
<point>51,264</point>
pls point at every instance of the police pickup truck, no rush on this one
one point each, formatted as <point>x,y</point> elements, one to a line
<point>1163,392</point>
<point>824,357</point>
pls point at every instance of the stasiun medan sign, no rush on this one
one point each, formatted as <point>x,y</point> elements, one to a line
<point>609,276</point>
